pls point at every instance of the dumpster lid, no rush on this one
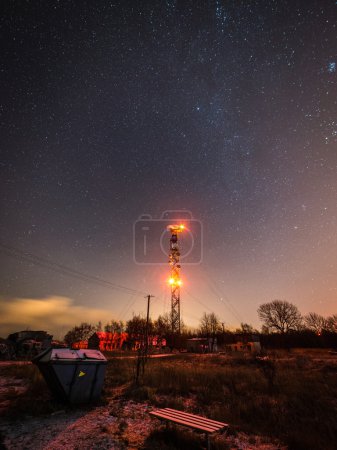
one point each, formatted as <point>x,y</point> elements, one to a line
<point>91,354</point>
<point>67,354</point>
<point>64,353</point>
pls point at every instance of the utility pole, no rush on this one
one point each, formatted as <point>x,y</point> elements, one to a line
<point>143,350</point>
<point>147,323</point>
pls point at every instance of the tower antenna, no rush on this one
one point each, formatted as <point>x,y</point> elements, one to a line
<point>175,281</point>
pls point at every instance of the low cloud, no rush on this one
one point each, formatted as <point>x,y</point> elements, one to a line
<point>53,314</point>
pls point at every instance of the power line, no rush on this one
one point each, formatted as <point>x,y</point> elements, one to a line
<point>198,300</point>
<point>223,298</point>
<point>64,270</point>
<point>129,304</point>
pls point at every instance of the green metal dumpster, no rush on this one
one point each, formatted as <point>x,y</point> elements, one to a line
<point>74,376</point>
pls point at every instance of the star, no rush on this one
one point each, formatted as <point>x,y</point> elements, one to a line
<point>332,67</point>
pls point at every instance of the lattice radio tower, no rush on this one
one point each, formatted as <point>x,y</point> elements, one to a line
<point>175,281</point>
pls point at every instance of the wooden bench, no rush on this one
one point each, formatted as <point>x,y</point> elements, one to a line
<point>199,423</point>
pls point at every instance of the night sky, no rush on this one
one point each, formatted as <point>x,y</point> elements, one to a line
<point>115,109</point>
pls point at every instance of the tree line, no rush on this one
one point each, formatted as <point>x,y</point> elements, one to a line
<point>283,317</point>
<point>135,329</point>
<point>278,317</point>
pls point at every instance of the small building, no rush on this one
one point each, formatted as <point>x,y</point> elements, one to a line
<point>30,342</point>
<point>202,345</point>
<point>154,342</point>
<point>108,342</point>
<point>58,344</point>
<point>7,349</point>
<point>105,341</point>
<point>80,345</point>
<point>245,343</point>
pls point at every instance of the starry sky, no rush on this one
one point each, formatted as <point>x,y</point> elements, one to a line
<point>112,110</point>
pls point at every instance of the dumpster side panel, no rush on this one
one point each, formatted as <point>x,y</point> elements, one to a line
<point>65,374</point>
<point>81,387</point>
<point>99,381</point>
<point>51,380</point>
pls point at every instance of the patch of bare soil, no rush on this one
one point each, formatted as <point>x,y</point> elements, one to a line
<point>120,424</point>
<point>80,429</point>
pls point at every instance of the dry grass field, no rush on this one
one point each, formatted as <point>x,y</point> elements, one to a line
<point>288,400</point>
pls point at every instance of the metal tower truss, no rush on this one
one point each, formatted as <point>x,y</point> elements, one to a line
<point>175,281</point>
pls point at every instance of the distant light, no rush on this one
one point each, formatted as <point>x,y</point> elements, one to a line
<point>182,226</point>
<point>171,280</point>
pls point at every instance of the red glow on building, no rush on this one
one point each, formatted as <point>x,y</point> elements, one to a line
<point>108,342</point>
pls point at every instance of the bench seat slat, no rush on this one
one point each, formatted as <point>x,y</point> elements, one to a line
<point>191,419</point>
<point>184,422</point>
<point>210,421</point>
<point>187,422</point>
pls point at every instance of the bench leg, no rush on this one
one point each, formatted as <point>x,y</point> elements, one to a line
<point>208,442</point>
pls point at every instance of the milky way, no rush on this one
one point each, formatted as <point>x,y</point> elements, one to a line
<point>114,109</point>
